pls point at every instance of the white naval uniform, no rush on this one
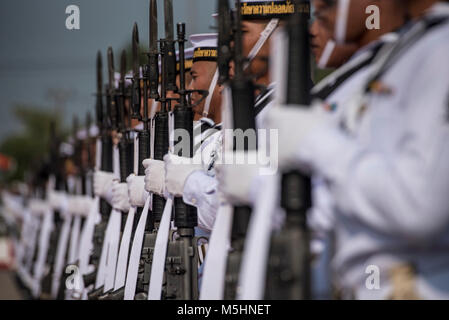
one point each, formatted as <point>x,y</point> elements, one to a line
<point>200,188</point>
<point>336,88</point>
<point>388,173</point>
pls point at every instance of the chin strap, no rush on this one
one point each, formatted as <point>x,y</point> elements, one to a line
<point>326,55</point>
<point>342,21</point>
<point>266,33</point>
<point>212,86</point>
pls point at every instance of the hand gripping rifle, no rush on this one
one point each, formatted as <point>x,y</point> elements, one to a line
<point>104,125</point>
<point>242,88</point>
<point>126,150</point>
<point>288,272</point>
<point>138,90</point>
<point>181,268</point>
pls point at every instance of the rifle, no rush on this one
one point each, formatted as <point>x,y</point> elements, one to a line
<point>242,88</point>
<point>143,139</point>
<point>181,268</point>
<point>77,222</point>
<point>85,167</point>
<point>225,37</point>
<point>38,191</point>
<point>170,43</point>
<point>57,221</point>
<point>160,149</point>
<point>126,142</point>
<point>113,112</point>
<point>125,147</point>
<point>90,164</point>
<point>288,272</point>
<point>103,123</point>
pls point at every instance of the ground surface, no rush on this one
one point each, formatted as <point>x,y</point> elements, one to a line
<point>8,287</point>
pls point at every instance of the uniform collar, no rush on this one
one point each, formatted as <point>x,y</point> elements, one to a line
<point>438,9</point>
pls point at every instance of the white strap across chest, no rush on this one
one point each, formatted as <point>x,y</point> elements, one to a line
<point>133,266</point>
<point>160,252</point>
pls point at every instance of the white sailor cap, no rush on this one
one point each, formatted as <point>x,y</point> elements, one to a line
<point>66,149</point>
<point>81,134</point>
<point>269,9</point>
<point>93,132</point>
<point>205,46</point>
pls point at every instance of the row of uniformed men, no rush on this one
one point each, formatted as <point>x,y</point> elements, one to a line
<point>375,143</point>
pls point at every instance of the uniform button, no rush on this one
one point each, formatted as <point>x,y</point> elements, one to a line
<point>193,200</point>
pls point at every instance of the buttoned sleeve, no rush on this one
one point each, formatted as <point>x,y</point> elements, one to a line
<point>200,190</point>
<point>403,191</point>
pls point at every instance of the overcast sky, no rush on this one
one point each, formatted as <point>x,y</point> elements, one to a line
<point>38,53</point>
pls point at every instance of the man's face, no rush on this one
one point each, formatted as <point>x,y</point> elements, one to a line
<point>325,15</point>
<point>202,73</point>
<point>320,38</point>
<point>251,33</point>
<point>356,22</point>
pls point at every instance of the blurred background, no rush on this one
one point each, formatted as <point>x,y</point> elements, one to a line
<point>48,72</point>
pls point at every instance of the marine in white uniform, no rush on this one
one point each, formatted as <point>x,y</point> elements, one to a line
<point>385,159</point>
<point>327,159</point>
<point>191,179</point>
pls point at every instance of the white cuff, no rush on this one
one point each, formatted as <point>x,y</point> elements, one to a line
<point>200,190</point>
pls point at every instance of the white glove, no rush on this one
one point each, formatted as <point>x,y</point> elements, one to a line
<point>79,205</point>
<point>154,176</point>
<point>103,185</point>
<point>238,180</point>
<point>38,207</point>
<point>136,190</point>
<point>294,126</point>
<point>120,200</point>
<point>177,170</point>
<point>85,203</point>
<point>72,202</point>
<point>58,200</point>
